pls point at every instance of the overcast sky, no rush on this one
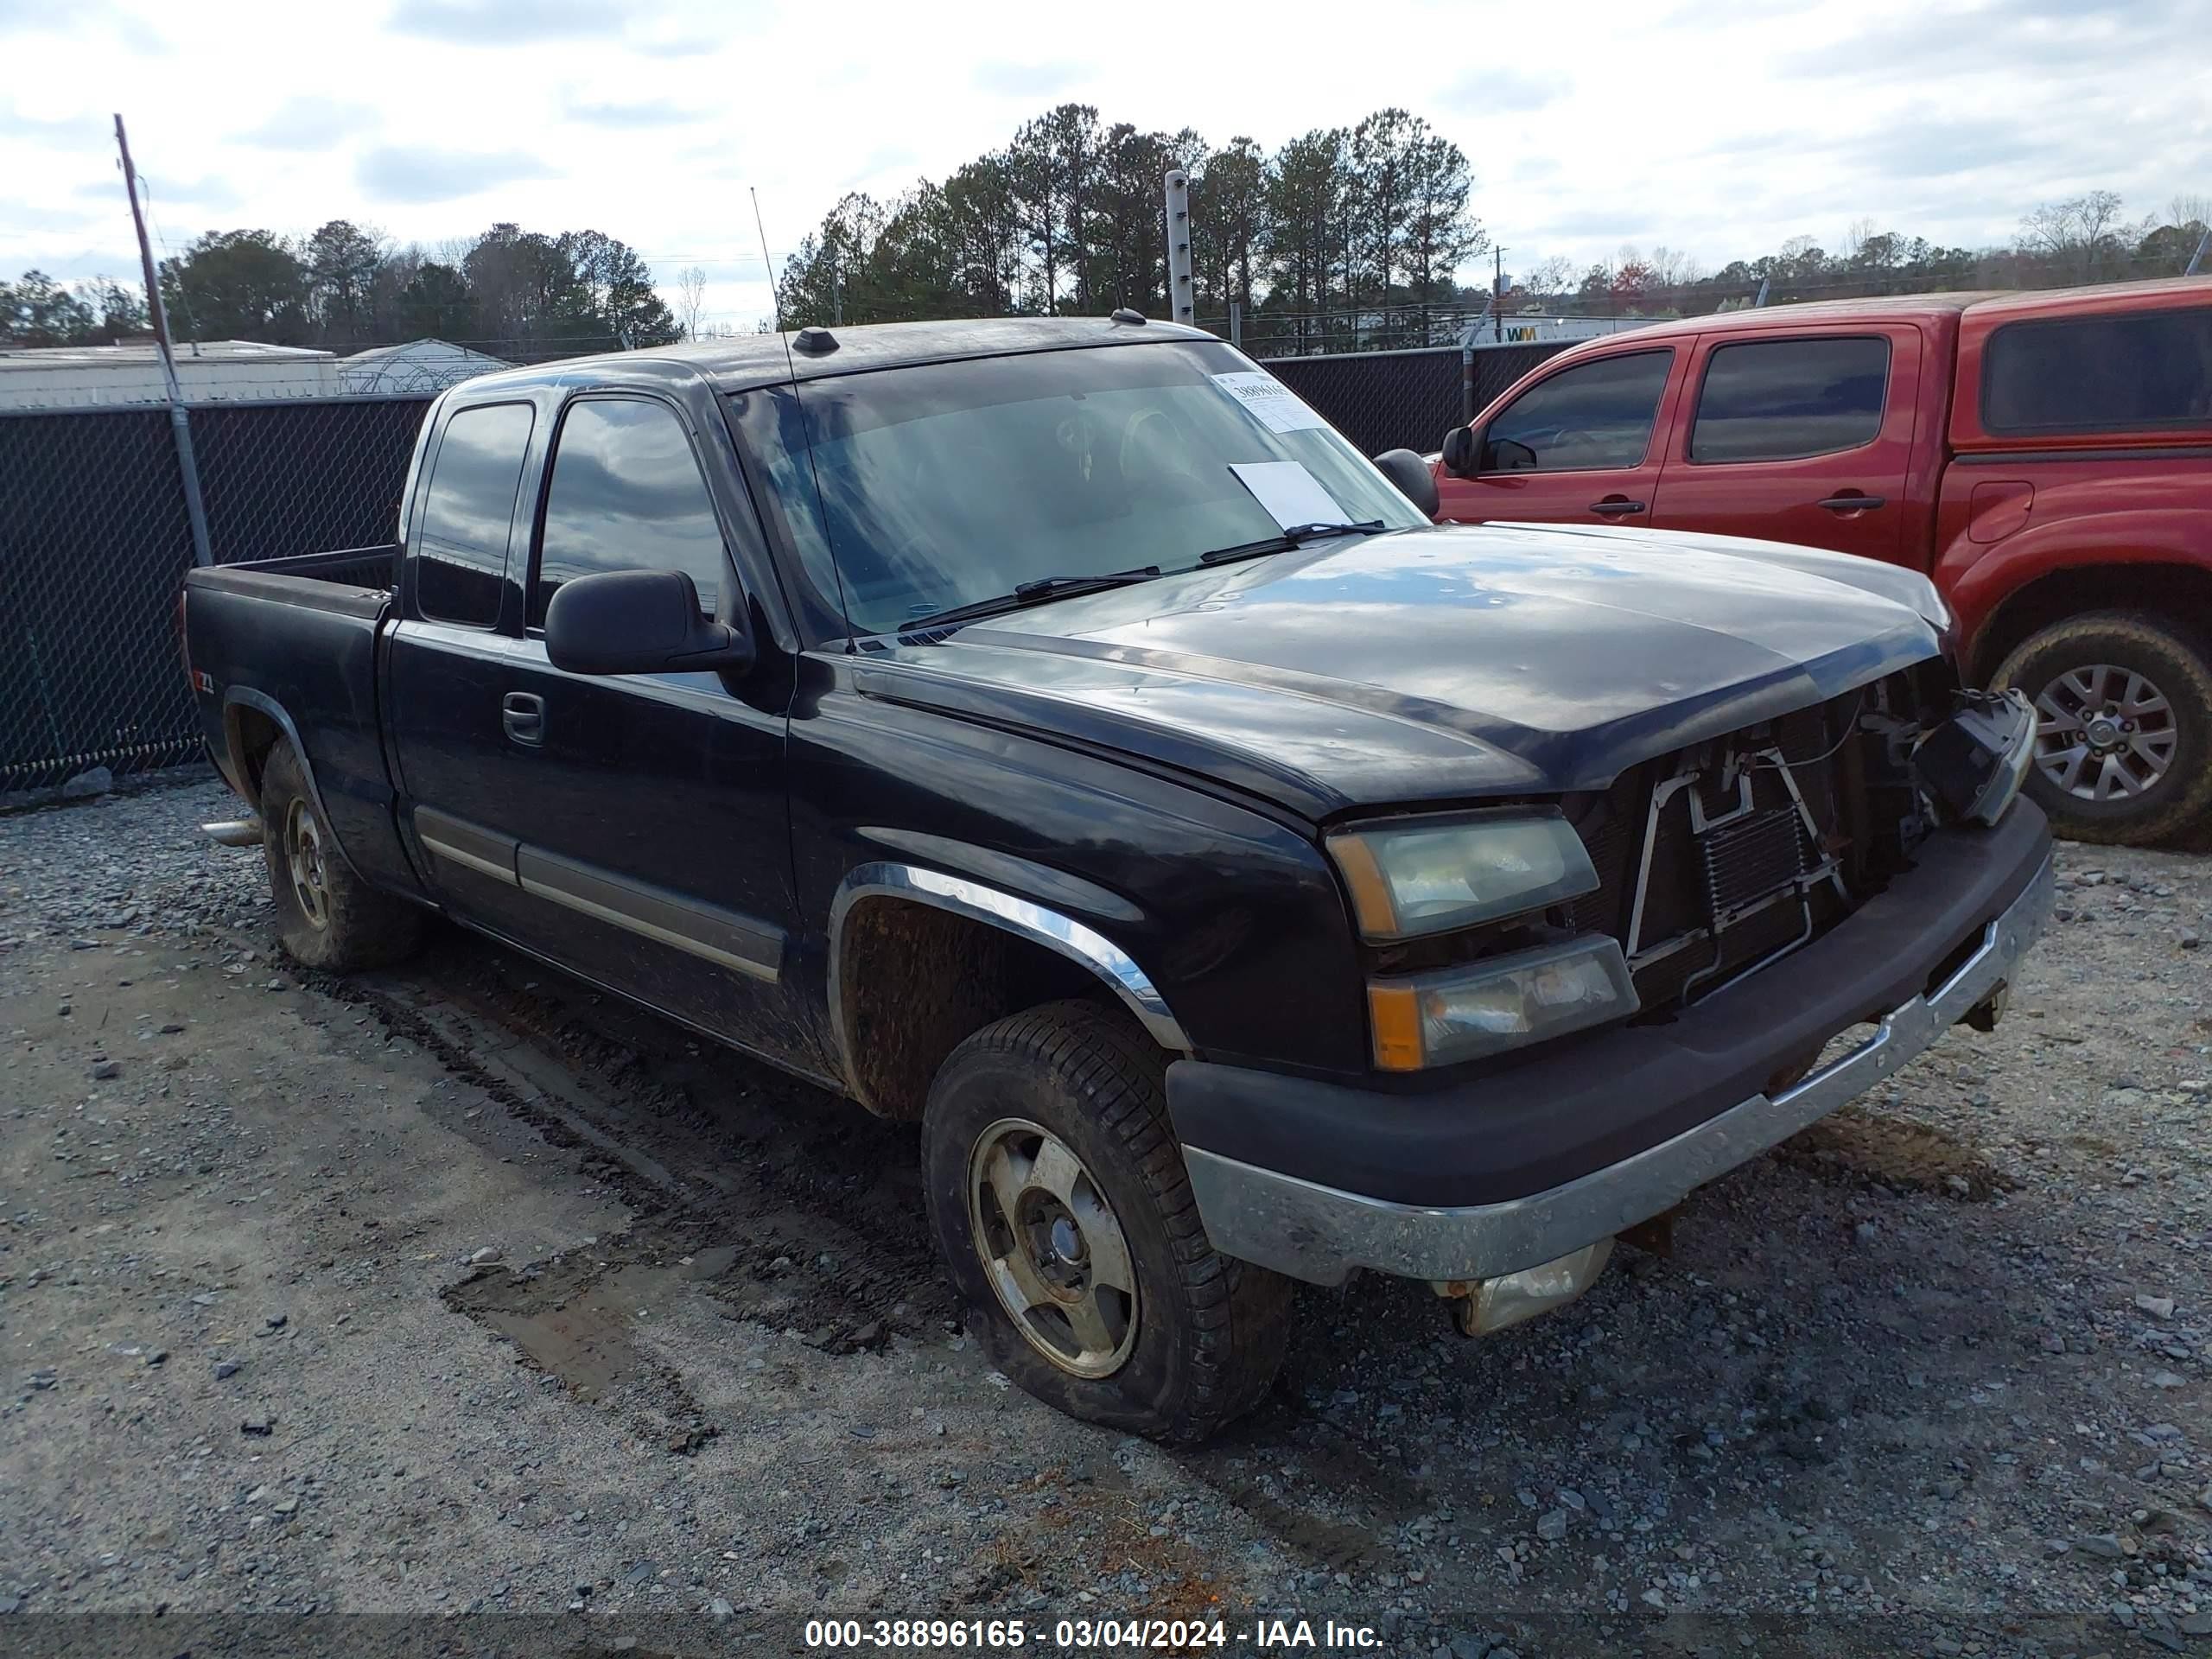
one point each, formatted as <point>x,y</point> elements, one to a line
<point>1717,128</point>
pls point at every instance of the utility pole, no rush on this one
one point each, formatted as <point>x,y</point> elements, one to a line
<point>180,422</point>
<point>1497,294</point>
<point>1182,300</point>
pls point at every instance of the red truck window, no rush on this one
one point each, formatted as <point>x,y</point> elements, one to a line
<point>2145,369</point>
<point>1585,419</point>
<point>1790,399</point>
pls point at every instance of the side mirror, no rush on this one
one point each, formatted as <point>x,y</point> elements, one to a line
<point>639,622</point>
<point>1410,473</point>
<point>1462,450</point>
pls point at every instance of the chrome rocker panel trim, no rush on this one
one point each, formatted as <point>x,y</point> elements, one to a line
<point>1020,917</point>
<point>1320,1234</point>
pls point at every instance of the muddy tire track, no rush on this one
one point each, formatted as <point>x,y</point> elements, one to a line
<point>813,1208</point>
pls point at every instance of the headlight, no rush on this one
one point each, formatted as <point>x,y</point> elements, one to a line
<point>1428,875</point>
<point>1462,1013</point>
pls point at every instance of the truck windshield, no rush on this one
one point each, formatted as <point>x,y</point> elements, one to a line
<point>946,485</point>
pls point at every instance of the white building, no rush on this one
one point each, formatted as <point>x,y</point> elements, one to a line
<point>81,377</point>
<point>418,366</point>
<point>1529,329</point>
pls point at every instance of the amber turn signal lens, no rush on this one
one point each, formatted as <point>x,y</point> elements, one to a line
<point>1372,906</point>
<point>1394,1014</point>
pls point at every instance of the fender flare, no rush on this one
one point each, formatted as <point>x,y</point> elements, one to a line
<point>1023,918</point>
<point>1981,580</point>
<point>245,697</point>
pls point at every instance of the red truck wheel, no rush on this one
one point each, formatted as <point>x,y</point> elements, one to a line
<point>2124,749</point>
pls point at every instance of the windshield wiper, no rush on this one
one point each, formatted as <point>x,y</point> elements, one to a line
<point>1034,592</point>
<point>1294,536</point>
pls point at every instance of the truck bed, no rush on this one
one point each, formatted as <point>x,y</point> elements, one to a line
<point>353,581</point>
<point>287,650</point>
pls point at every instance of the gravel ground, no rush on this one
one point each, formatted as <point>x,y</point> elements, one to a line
<point>463,1291</point>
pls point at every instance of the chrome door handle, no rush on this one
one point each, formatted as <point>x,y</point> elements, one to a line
<point>521,715</point>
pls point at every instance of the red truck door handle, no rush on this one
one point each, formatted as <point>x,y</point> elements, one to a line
<point>523,716</point>
<point>1613,506</point>
<point>1853,502</point>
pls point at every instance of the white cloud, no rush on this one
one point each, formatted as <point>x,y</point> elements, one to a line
<point>309,124</point>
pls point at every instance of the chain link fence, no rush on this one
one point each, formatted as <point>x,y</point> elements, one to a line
<point>94,543</point>
<point>1406,400</point>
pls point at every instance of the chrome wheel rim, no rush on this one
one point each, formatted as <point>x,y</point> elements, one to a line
<point>303,854</point>
<point>1050,1245</point>
<point>2104,732</point>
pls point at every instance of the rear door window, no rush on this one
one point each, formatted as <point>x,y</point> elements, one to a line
<point>627,494</point>
<point>2148,369</point>
<point>461,555</point>
<point>1587,419</point>
<point>1789,399</point>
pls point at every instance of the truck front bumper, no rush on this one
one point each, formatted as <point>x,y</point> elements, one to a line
<point>1585,1137</point>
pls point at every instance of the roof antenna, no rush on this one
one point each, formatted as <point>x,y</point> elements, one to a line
<point>775,294</point>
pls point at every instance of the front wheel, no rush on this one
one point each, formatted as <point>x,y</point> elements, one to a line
<point>2124,725</point>
<point>1061,1208</point>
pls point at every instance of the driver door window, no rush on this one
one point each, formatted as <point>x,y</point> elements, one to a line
<point>1591,418</point>
<point>626,495</point>
<point>1576,447</point>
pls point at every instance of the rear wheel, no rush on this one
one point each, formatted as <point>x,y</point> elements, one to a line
<point>2124,734</point>
<point>1063,1212</point>
<point>326,915</point>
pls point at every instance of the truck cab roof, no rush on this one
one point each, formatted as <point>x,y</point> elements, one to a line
<point>753,360</point>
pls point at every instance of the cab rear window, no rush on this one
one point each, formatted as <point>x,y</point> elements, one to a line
<point>2143,370</point>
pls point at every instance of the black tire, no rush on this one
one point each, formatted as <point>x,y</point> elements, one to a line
<point>357,927</point>
<point>2174,660</point>
<point>1210,1332</point>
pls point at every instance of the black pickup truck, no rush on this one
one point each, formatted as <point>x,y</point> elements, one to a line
<point>1051,731</point>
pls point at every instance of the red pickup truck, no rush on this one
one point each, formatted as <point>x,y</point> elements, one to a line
<point>2046,457</point>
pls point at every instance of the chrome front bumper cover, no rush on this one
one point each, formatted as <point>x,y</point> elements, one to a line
<point>1320,1234</point>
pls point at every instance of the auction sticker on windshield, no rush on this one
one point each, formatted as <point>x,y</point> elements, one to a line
<point>1272,403</point>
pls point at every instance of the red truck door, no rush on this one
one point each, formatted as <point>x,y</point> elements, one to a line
<point>1575,448</point>
<point>1797,437</point>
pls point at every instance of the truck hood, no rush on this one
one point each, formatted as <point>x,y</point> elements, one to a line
<point>1447,662</point>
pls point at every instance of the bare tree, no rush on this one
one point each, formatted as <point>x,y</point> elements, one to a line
<point>1555,275</point>
<point>1673,268</point>
<point>2076,235</point>
<point>690,299</point>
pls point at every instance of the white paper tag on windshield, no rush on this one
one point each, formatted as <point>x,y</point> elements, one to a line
<point>1292,495</point>
<point>1272,403</point>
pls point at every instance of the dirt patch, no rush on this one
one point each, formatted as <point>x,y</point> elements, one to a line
<point>576,1316</point>
<point>1867,1149</point>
